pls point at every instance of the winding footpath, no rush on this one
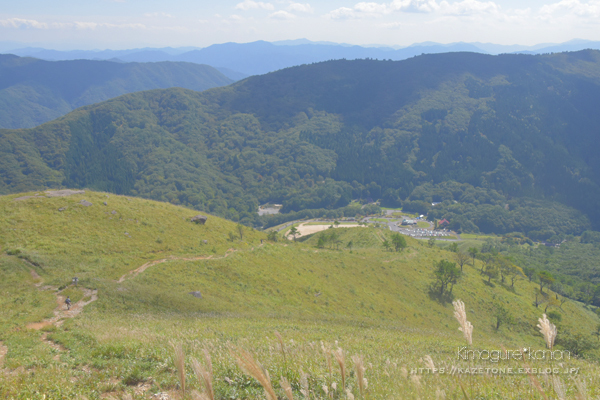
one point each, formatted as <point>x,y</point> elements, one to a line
<point>149,264</point>
<point>61,314</point>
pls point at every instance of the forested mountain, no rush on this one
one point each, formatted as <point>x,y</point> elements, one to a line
<point>34,91</point>
<point>510,139</point>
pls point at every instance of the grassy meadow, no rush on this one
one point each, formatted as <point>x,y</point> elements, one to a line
<point>305,314</point>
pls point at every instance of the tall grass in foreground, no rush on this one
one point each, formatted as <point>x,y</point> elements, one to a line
<point>247,363</point>
<point>179,358</point>
<point>204,373</point>
<point>388,359</point>
<point>320,381</point>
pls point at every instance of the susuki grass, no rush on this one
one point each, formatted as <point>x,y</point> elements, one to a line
<point>388,359</point>
<point>281,320</point>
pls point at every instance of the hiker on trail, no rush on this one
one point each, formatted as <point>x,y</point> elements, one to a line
<point>68,303</point>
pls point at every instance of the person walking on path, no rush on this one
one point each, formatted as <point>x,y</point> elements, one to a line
<point>68,302</point>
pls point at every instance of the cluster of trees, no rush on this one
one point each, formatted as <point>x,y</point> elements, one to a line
<point>493,265</point>
<point>446,276</point>
<point>573,266</point>
<point>397,242</point>
<point>331,238</point>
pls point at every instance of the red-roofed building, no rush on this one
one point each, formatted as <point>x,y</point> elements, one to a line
<point>443,222</point>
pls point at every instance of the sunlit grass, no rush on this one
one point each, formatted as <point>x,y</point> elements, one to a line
<point>352,295</point>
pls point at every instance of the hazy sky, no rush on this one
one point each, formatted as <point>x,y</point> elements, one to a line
<point>120,24</point>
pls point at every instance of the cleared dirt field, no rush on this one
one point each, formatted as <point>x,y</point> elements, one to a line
<point>307,229</point>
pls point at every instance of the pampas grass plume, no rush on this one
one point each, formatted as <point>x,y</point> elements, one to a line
<point>360,373</point>
<point>287,388</point>
<point>339,357</point>
<point>250,367</point>
<point>461,316</point>
<point>548,330</point>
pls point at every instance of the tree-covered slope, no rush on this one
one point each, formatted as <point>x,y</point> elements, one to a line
<point>33,91</point>
<point>503,127</point>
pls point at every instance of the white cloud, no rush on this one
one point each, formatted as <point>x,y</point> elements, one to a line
<point>571,8</point>
<point>158,14</point>
<point>342,13</point>
<point>469,7</point>
<point>23,23</point>
<point>418,6</point>
<point>250,5</point>
<point>443,8</point>
<point>18,23</point>
<point>299,7</point>
<point>371,8</point>
<point>282,15</point>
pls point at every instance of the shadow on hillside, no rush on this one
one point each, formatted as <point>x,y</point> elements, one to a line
<point>435,295</point>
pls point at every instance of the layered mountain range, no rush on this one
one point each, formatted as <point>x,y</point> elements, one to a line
<point>511,137</point>
<point>238,60</point>
<point>34,91</point>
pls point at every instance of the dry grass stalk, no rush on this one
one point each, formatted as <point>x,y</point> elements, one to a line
<point>250,367</point>
<point>205,375</point>
<point>428,361</point>
<point>360,374</point>
<point>287,388</point>
<point>559,388</point>
<point>304,384</point>
<point>581,389</point>
<point>461,316</point>
<point>339,357</point>
<point>535,382</point>
<point>281,345</point>
<point>548,330</point>
<point>440,394</point>
<point>404,372</point>
<point>327,353</point>
<point>416,381</point>
<point>464,390</point>
<point>179,358</point>
<point>199,396</point>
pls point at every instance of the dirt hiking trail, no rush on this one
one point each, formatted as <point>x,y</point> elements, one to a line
<point>61,313</point>
<point>149,264</point>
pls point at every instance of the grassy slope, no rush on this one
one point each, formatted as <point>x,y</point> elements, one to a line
<point>375,303</point>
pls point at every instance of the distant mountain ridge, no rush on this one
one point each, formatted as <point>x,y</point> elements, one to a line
<point>34,91</point>
<point>509,140</point>
<point>261,57</point>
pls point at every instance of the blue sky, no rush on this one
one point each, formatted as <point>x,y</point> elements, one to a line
<point>120,24</point>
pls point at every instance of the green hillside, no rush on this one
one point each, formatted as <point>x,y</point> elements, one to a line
<point>34,91</point>
<point>143,261</point>
<point>505,143</point>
